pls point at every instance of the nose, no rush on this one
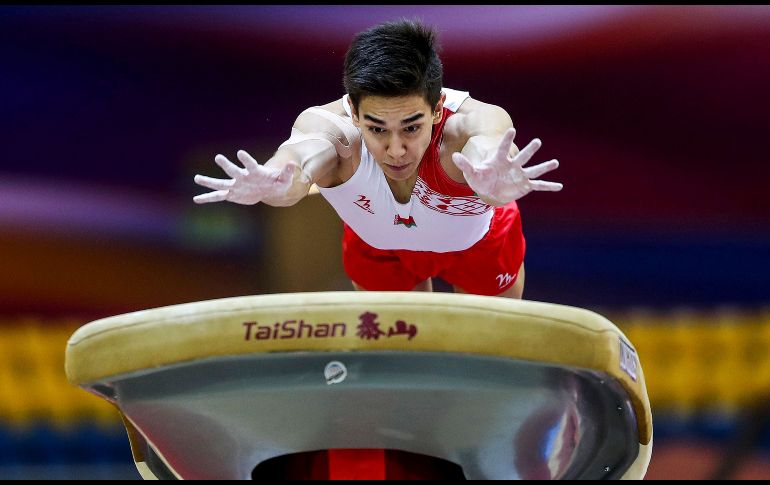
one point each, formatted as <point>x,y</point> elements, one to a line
<point>396,147</point>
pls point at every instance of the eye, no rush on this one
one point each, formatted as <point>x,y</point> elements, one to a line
<point>376,130</point>
<point>412,128</point>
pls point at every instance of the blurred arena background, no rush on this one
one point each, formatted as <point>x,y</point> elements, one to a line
<point>658,114</point>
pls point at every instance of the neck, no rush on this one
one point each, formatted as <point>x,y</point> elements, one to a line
<point>402,189</point>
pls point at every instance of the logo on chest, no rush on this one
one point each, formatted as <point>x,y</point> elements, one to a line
<point>406,222</point>
<point>451,205</point>
<point>364,203</point>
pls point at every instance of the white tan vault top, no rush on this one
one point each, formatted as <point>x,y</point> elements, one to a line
<point>539,332</point>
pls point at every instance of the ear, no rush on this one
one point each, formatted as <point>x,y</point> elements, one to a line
<point>438,113</point>
<point>353,113</point>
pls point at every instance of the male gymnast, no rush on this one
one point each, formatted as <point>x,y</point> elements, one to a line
<point>424,178</point>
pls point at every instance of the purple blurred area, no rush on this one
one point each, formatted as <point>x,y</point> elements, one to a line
<point>658,114</point>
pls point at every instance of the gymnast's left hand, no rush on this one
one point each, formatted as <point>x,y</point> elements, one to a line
<point>501,178</point>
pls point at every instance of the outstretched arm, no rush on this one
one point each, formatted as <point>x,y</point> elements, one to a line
<point>492,165</point>
<point>310,154</point>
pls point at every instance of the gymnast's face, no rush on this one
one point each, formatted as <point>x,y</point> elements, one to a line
<point>397,131</point>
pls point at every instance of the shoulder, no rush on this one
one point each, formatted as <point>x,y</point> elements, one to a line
<point>329,121</point>
<point>329,117</point>
<point>336,107</point>
<point>475,118</point>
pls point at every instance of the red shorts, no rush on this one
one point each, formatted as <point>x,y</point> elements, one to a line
<point>489,267</point>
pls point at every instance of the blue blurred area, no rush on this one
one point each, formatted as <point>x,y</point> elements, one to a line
<point>42,443</point>
<point>618,270</point>
<point>84,451</point>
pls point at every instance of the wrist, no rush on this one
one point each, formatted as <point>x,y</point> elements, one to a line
<point>491,201</point>
<point>298,188</point>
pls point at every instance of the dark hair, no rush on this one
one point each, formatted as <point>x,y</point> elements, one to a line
<point>395,58</point>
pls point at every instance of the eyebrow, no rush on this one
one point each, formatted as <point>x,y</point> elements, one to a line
<point>406,121</point>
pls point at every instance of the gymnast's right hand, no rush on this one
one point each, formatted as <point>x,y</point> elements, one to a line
<point>248,185</point>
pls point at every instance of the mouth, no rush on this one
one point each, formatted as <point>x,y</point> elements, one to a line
<point>398,168</point>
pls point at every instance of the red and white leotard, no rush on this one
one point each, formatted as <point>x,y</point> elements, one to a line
<point>441,215</point>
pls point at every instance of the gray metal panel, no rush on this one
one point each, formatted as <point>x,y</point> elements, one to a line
<point>497,418</point>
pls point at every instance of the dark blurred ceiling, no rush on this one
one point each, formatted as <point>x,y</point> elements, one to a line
<point>656,113</point>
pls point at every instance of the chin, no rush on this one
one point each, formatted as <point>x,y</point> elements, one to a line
<point>404,174</point>
<point>400,175</point>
